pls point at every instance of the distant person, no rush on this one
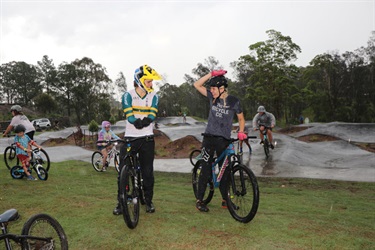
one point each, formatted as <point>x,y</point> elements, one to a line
<point>223,108</point>
<point>23,148</point>
<point>301,119</point>
<point>307,120</point>
<point>20,118</point>
<point>264,120</point>
<point>106,134</point>
<point>184,117</point>
<point>140,106</point>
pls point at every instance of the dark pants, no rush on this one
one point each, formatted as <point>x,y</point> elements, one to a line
<point>211,144</point>
<point>31,134</point>
<point>146,160</point>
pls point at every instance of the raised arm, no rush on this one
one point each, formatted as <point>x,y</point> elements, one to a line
<point>199,84</point>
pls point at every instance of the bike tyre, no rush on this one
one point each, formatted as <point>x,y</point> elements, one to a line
<point>242,205</point>
<point>209,193</point>
<point>10,157</point>
<point>266,147</point>
<point>194,156</point>
<point>97,161</point>
<point>45,226</point>
<point>129,198</point>
<point>16,173</point>
<point>43,173</point>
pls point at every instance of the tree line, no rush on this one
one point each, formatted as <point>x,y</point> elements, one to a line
<point>333,87</point>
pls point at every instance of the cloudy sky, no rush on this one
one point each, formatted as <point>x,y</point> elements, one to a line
<point>173,36</point>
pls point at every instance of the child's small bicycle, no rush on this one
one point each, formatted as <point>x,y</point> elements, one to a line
<point>97,157</point>
<point>36,164</point>
<point>41,231</point>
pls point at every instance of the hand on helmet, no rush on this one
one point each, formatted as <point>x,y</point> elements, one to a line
<point>241,136</point>
<point>146,121</point>
<point>220,72</point>
<point>138,124</point>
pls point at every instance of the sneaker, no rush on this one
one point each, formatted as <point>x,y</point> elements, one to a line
<point>150,208</point>
<point>30,178</point>
<point>261,142</point>
<point>104,168</point>
<point>272,146</point>
<point>201,206</point>
<point>224,204</point>
<point>117,210</point>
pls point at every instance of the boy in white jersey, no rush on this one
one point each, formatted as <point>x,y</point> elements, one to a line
<point>140,106</point>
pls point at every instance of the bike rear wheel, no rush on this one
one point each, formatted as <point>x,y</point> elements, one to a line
<point>17,172</point>
<point>194,156</point>
<point>243,193</point>
<point>209,193</point>
<point>97,161</point>
<point>44,226</point>
<point>129,196</point>
<point>10,157</point>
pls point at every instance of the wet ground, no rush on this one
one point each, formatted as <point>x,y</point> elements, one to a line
<point>340,159</point>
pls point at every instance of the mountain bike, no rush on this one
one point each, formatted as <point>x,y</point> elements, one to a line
<point>242,185</point>
<point>131,182</point>
<point>10,157</point>
<point>266,142</point>
<point>41,231</point>
<point>36,164</point>
<point>97,157</point>
<point>196,154</point>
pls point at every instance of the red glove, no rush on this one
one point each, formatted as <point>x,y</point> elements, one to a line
<point>220,72</point>
<point>241,136</point>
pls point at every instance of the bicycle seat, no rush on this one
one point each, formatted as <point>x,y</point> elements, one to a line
<point>9,215</point>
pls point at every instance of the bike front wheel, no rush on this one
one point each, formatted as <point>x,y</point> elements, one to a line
<point>97,161</point>
<point>129,196</point>
<point>17,172</point>
<point>44,232</point>
<point>41,172</point>
<point>42,158</point>
<point>209,193</point>
<point>10,157</point>
<point>266,147</point>
<point>243,193</point>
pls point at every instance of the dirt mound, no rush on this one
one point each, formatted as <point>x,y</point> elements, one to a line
<point>290,130</point>
<point>182,147</point>
<point>317,138</point>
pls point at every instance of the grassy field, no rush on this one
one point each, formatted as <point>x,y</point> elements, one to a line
<point>293,213</point>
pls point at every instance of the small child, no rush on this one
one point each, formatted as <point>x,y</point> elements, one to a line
<point>105,134</point>
<point>23,146</point>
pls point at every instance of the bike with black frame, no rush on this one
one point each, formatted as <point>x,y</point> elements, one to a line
<point>266,143</point>
<point>41,231</point>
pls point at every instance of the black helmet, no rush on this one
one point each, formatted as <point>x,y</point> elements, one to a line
<point>218,81</point>
<point>19,128</point>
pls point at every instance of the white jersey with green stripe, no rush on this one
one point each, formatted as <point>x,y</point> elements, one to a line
<point>136,107</point>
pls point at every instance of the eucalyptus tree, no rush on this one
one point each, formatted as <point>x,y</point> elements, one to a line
<point>269,73</point>
<point>20,83</point>
<point>48,73</point>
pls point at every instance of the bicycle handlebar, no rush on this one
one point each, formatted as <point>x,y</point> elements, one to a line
<point>127,140</point>
<point>231,139</point>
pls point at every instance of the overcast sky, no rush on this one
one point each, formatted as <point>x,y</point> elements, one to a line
<point>174,36</point>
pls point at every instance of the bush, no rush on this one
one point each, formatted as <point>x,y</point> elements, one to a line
<point>93,126</point>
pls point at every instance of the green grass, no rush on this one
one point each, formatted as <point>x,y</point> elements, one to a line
<point>293,213</point>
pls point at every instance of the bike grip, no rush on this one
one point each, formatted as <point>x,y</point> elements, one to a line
<point>251,137</point>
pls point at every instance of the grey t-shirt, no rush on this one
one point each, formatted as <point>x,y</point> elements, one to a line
<point>220,118</point>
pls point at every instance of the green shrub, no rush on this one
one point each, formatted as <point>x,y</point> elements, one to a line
<point>93,126</point>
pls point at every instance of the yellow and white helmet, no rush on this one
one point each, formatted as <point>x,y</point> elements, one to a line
<point>145,73</point>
